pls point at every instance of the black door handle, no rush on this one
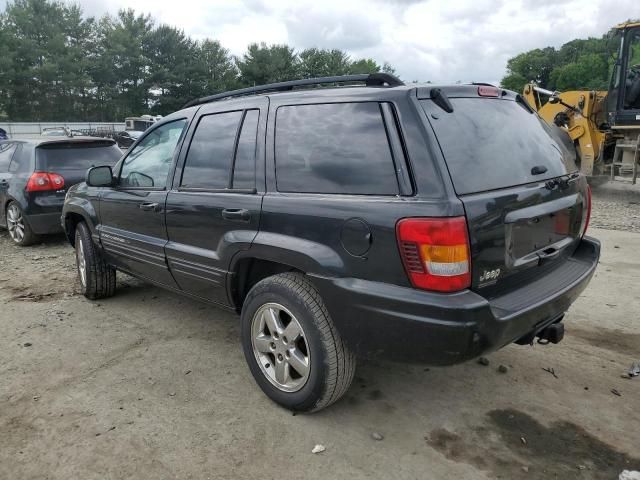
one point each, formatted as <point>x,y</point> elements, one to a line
<point>149,207</point>
<point>237,214</point>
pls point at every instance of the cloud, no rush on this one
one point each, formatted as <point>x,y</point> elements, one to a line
<point>350,31</point>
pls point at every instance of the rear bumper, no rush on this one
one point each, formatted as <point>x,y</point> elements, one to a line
<point>442,329</point>
<point>44,223</point>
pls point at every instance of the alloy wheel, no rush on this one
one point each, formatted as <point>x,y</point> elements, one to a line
<point>82,262</point>
<point>15,223</point>
<point>280,347</point>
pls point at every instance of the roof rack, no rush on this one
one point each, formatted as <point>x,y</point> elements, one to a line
<point>369,79</point>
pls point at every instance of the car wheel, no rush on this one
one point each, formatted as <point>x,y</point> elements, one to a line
<point>293,349</point>
<point>97,279</point>
<point>19,230</point>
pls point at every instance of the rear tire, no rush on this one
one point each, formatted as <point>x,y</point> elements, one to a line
<point>19,230</point>
<point>97,279</point>
<point>318,367</point>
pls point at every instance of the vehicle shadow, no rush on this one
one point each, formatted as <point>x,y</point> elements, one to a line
<point>54,240</point>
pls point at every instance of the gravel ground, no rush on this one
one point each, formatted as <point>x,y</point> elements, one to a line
<point>616,206</point>
<point>148,384</point>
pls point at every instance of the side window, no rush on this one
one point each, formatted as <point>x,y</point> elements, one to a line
<point>244,167</point>
<point>339,148</point>
<point>208,161</point>
<point>6,152</point>
<point>149,162</point>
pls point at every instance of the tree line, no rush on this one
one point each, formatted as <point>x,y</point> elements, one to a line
<point>581,64</point>
<point>58,65</point>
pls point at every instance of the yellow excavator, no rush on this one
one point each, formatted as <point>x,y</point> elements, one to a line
<point>604,125</point>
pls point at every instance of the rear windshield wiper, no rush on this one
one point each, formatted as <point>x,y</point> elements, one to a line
<point>440,98</point>
<point>562,182</point>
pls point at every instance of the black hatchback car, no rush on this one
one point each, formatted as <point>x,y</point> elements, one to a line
<point>35,175</point>
<point>421,223</point>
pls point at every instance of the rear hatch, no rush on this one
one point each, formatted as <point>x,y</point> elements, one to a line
<point>525,203</point>
<point>73,157</point>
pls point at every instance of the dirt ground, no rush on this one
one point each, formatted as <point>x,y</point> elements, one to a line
<point>151,385</point>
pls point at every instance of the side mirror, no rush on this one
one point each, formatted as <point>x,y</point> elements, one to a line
<point>99,176</point>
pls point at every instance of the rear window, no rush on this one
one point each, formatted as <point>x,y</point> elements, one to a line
<point>490,144</point>
<point>76,156</point>
<point>334,148</point>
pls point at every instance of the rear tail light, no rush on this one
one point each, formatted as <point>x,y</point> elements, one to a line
<point>44,181</point>
<point>586,215</point>
<point>435,252</point>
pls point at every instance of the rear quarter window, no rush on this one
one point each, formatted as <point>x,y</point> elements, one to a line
<point>490,144</point>
<point>339,148</point>
<point>76,156</point>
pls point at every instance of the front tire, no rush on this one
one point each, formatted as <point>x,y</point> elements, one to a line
<point>293,349</point>
<point>97,279</point>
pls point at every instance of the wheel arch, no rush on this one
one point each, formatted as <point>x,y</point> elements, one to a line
<point>272,253</point>
<point>73,214</point>
<point>246,271</point>
<point>71,220</point>
<point>7,201</point>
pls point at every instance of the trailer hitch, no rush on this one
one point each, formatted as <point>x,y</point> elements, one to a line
<point>552,334</point>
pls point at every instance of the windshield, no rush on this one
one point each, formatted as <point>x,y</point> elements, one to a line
<point>490,144</point>
<point>76,156</point>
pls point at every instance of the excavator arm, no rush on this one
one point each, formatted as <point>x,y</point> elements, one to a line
<point>578,113</point>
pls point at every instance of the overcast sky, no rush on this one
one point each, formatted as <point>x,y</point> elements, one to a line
<point>437,40</point>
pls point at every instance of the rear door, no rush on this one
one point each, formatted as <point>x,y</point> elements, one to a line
<point>524,201</point>
<point>132,228</point>
<point>213,209</point>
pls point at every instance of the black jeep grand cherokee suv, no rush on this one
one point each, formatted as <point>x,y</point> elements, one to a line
<point>422,223</point>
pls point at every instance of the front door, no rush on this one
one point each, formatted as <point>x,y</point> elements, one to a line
<point>213,209</point>
<point>132,227</point>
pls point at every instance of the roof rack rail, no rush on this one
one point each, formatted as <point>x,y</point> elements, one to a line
<point>369,79</point>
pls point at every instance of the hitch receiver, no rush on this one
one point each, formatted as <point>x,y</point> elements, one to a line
<point>554,333</point>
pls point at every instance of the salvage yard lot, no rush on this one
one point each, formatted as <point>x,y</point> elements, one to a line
<point>148,384</point>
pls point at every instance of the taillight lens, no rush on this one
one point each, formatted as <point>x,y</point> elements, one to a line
<point>586,217</point>
<point>44,181</point>
<point>435,252</point>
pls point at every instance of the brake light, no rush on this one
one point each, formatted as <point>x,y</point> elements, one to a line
<point>586,218</point>
<point>44,181</point>
<point>487,91</point>
<point>435,252</point>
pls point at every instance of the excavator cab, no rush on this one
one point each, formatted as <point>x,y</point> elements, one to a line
<point>623,101</point>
